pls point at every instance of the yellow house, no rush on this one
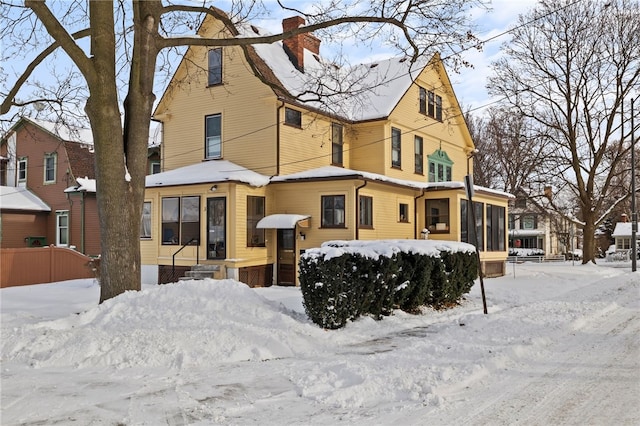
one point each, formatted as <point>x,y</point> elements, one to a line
<point>269,151</point>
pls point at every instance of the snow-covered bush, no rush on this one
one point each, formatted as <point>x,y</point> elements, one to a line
<point>343,280</point>
<point>525,251</point>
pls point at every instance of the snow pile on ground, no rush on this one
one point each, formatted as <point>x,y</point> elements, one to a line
<point>560,345</point>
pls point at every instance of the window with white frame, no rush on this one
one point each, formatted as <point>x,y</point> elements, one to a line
<point>62,228</point>
<point>22,170</point>
<point>50,167</point>
<point>145,224</point>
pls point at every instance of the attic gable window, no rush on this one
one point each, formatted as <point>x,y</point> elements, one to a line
<point>430,103</point>
<point>292,117</point>
<point>215,66</point>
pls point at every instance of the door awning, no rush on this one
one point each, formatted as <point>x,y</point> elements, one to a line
<point>283,221</point>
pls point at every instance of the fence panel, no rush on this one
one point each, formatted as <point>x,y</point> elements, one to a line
<point>24,266</point>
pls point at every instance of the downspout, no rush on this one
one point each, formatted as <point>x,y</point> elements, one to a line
<point>415,213</point>
<point>278,137</point>
<point>357,209</point>
<point>82,222</point>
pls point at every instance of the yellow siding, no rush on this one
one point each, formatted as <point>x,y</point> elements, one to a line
<point>386,210</point>
<point>248,110</point>
<point>370,149</point>
<point>310,146</point>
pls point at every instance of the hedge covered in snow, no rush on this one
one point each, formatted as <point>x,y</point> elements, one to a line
<point>343,280</point>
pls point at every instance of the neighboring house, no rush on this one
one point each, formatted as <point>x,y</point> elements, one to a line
<point>253,176</point>
<point>535,229</point>
<point>47,158</point>
<point>622,237</point>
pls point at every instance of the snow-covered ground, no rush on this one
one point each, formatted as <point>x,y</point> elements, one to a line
<point>560,345</point>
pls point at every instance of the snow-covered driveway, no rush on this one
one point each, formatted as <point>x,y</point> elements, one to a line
<point>561,345</point>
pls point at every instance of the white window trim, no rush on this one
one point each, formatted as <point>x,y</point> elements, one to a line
<point>59,214</point>
<point>55,166</point>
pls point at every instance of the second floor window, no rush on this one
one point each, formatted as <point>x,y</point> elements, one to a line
<point>396,148</point>
<point>336,144</point>
<point>529,222</point>
<point>22,169</point>
<point>215,67</point>
<point>213,136</point>
<point>293,117</point>
<point>333,211</point>
<point>419,159</point>
<point>154,167</point>
<point>50,167</point>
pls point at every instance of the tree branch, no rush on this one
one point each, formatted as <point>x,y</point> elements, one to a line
<point>9,101</point>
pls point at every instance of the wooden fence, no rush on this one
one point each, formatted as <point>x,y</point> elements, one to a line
<point>24,266</point>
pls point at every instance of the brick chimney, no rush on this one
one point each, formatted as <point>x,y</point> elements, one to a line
<point>294,46</point>
<point>624,218</point>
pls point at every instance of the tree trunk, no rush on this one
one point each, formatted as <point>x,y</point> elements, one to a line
<point>589,241</point>
<point>119,200</point>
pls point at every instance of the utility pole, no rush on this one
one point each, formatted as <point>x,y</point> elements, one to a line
<point>634,213</point>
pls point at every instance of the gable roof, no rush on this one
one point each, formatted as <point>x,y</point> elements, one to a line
<point>362,92</point>
<point>20,198</point>
<point>622,229</point>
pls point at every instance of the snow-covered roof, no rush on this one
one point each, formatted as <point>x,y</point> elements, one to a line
<point>359,92</point>
<point>281,221</point>
<point>207,172</point>
<point>19,198</point>
<point>83,185</point>
<point>337,172</point>
<point>63,131</point>
<point>622,229</point>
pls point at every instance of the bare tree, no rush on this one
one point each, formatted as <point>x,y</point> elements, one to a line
<point>511,154</point>
<point>125,41</point>
<point>570,71</point>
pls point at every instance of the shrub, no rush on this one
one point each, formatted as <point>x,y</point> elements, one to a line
<point>343,280</point>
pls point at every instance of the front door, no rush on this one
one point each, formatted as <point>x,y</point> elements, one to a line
<point>216,228</point>
<point>286,257</point>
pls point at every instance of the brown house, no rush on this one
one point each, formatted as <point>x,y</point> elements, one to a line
<point>48,161</point>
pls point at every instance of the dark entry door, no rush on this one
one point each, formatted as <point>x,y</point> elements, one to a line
<point>286,257</point>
